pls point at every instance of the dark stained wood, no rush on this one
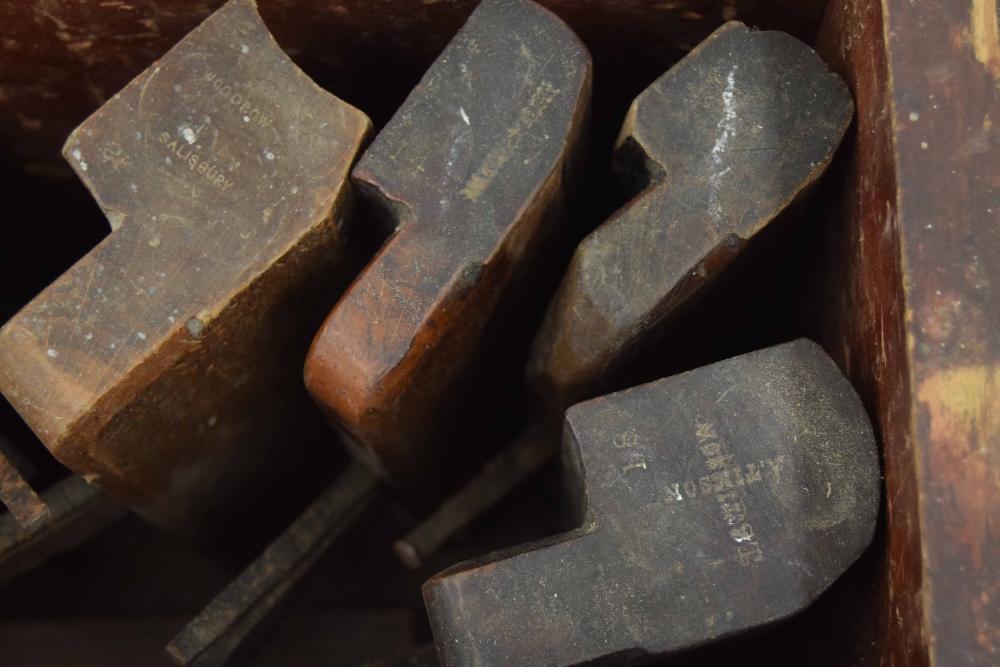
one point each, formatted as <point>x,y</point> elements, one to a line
<point>60,61</point>
<point>767,123</point>
<point>77,511</point>
<point>907,306</point>
<point>424,656</point>
<point>22,501</point>
<point>473,172</point>
<point>526,454</point>
<point>716,501</point>
<point>858,315</point>
<point>340,638</point>
<point>237,621</point>
<point>719,147</point>
<point>155,365</point>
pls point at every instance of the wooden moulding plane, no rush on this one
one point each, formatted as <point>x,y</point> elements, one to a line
<point>154,366</point>
<point>75,512</point>
<point>722,151</point>
<point>16,493</point>
<point>473,174</point>
<point>712,502</point>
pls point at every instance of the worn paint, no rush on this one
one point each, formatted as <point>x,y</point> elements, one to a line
<point>986,35</point>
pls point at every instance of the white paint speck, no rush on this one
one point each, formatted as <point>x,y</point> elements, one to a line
<point>168,160</point>
<point>914,116</point>
<point>189,135</point>
<point>76,153</point>
<point>295,189</point>
<point>727,127</point>
<point>244,49</point>
<point>268,154</point>
<point>246,119</point>
<point>172,319</point>
<point>133,188</point>
<point>89,336</point>
<point>51,353</point>
<point>923,144</point>
<point>83,165</point>
<point>464,115</point>
<point>112,346</point>
<point>140,335</point>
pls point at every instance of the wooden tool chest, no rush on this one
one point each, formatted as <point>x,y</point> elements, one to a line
<point>897,276</point>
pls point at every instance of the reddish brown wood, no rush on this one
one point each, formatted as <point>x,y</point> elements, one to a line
<point>155,365</point>
<point>859,318</point>
<point>908,308</point>
<point>474,169</point>
<point>475,172</point>
<point>944,65</point>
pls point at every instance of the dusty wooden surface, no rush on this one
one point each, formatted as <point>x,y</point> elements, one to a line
<point>909,256</point>
<point>633,277</point>
<point>394,350</point>
<point>718,148</point>
<point>155,364</point>
<point>60,61</point>
<point>716,501</point>
<point>473,172</point>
